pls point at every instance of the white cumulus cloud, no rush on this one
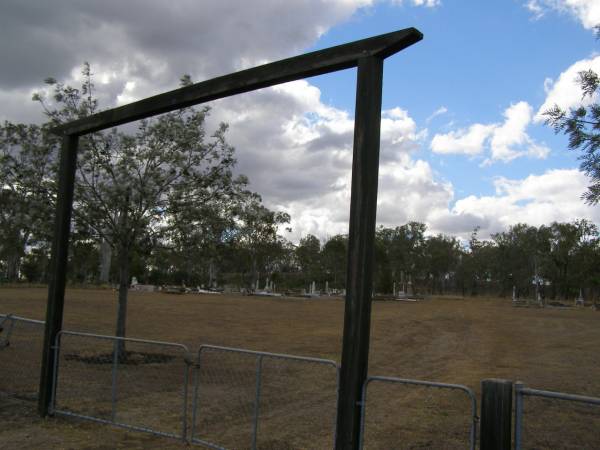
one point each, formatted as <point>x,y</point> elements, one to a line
<point>467,141</point>
<point>536,200</point>
<point>425,3</point>
<point>586,11</point>
<point>566,91</point>
<point>505,141</point>
<point>510,140</point>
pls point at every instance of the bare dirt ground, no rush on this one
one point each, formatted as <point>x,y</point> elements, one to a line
<point>452,340</point>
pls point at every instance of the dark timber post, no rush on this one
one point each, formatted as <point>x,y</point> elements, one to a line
<point>58,266</point>
<point>363,208</point>
<point>496,414</point>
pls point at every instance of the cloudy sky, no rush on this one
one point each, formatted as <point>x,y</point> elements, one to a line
<point>463,138</point>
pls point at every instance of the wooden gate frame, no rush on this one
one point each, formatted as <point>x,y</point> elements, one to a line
<point>367,55</point>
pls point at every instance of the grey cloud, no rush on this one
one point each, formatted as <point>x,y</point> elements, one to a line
<point>460,224</point>
<point>279,169</point>
<point>153,42</point>
<point>204,38</point>
<point>329,140</point>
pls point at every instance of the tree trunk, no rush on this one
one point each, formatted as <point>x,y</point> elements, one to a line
<point>105,260</point>
<point>212,271</point>
<point>254,272</point>
<point>124,263</point>
<point>12,267</point>
<point>123,292</point>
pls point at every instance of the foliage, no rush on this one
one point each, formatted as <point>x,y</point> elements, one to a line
<point>27,167</point>
<point>582,126</point>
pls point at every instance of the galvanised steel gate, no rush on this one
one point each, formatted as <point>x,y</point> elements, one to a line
<point>253,399</point>
<point>21,341</point>
<point>472,426</point>
<point>135,384</point>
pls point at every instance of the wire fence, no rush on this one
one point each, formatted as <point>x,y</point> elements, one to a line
<point>21,343</point>
<point>247,399</point>
<point>131,383</point>
<point>410,417</point>
<point>555,419</point>
<point>225,398</point>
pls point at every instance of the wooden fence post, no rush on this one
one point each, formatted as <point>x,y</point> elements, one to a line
<point>496,414</point>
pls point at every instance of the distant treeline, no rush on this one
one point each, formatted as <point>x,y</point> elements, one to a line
<point>561,257</point>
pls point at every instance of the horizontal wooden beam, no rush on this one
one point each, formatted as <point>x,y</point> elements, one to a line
<point>303,66</point>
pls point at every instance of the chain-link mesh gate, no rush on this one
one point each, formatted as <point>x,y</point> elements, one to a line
<point>132,383</point>
<point>247,399</point>
<point>419,417</point>
<point>21,342</point>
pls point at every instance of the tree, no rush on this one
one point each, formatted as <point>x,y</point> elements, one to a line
<point>442,257</point>
<point>197,233</point>
<point>27,168</point>
<point>308,254</point>
<point>519,252</point>
<point>477,265</point>
<point>334,256</point>
<point>383,281</point>
<point>582,126</point>
<point>256,237</point>
<point>127,185</point>
<point>406,246</point>
<point>571,249</point>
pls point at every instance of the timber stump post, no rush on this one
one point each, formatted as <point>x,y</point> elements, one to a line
<point>496,414</point>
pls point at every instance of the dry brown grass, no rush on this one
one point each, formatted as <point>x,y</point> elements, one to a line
<point>451,340</point>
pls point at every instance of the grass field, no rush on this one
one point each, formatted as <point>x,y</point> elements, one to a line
<point>452,340</point>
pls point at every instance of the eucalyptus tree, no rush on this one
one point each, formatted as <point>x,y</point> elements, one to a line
<point>334,259</point>
<point>27,168</point>
<point>308,255</point>
<point>197,234</point>
<point>259,246</point>
<point>477,265</point>
<point>406,252</point>
<point>128,184</point>
<point>573,253</point>
<point>442,255</point>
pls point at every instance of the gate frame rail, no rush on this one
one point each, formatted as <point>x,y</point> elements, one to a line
<point>115,364</point>
<point>433,384</point>
<point>12,318</point>
<point>7,327</point>
<point>259,358</point>
<point>521,391</point>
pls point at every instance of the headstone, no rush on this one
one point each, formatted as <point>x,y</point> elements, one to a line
<point>313,287</point>
<point>256,287</point>
<point>580,300</point>
<point>327,287</point>
<point>134,281</point>
<point>514,294</point>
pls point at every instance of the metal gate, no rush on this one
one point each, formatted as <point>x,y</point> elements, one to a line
<point>521,392</point>
<point>131,383</point>
<point>473,418</point>
<point>21,342</point>
<point>244,398</point>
